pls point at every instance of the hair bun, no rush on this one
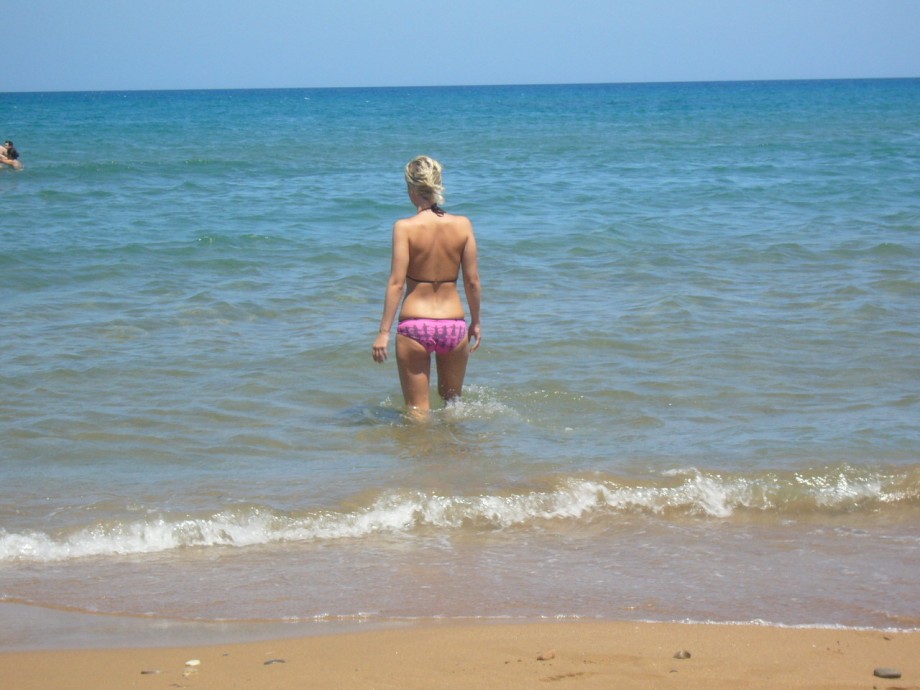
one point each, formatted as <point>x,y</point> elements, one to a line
<point>423,173</point>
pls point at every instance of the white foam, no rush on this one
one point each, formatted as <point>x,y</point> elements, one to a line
<point>837,489</point>
<point>477,402</point>
<point>682,492</point>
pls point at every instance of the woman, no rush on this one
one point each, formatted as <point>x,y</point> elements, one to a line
<point>429,250</point>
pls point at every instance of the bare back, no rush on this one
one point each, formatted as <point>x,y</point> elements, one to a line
<point>435,247</point>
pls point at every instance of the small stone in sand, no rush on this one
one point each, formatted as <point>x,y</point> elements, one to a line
<point>193,662</point>
<point>682,654</point>
<point>151,672</point>
<point>273,661</point>
<point>546,656</point>
<point>887,673</point>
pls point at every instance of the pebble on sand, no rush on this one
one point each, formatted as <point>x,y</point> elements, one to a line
<point>887,673</point>
<point>547,655</point>
<point>682,654</point>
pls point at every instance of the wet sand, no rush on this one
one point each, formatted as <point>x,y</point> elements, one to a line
<point>495,656</point>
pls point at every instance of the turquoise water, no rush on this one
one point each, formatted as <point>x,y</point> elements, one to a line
<point>697,394</point>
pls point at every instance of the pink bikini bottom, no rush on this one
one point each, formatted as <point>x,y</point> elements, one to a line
<point>435,335</point>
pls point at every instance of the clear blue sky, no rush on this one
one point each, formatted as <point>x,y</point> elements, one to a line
<point>54,45</point>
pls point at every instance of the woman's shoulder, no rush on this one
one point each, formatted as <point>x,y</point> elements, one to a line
<point>459,221</point>
<point>405,224</point>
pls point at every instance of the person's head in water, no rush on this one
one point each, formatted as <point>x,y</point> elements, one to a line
<point>11,151</point>
<point>423,176</point>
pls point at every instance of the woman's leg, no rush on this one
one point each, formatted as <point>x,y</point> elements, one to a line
<point>414,365</point>
<point>452,370</point>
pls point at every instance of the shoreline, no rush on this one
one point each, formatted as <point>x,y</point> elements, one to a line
<point>596,654</point>
<point>124,652</point>
<point>26,627</point>
<point>30,627</point>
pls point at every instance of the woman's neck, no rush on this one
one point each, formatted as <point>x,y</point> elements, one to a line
<point>434,208</point>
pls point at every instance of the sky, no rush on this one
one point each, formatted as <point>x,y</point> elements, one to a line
<point>90,45</point>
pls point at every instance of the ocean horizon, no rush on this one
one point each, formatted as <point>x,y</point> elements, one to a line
<point>776,80</point>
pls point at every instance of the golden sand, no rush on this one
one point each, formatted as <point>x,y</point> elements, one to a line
<point>553,655</point>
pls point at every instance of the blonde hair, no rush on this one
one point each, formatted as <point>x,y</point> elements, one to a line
<point>424,175</point>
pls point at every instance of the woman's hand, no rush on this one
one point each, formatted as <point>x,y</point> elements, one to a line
<point>380,347</point>
<point>475,334</point>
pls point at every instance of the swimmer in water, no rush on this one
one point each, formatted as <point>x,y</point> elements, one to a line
<point>9,155</point>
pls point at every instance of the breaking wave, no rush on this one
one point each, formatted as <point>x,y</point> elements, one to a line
<point>677,493</point>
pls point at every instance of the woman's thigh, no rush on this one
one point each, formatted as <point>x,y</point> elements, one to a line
<point>452,370</point>
<point>414,365</point>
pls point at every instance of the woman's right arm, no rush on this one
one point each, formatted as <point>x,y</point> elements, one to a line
<point>472,288</point>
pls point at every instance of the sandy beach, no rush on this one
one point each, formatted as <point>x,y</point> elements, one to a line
<point>564,654</point>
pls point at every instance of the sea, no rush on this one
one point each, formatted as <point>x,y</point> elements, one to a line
<point>697,396</point>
